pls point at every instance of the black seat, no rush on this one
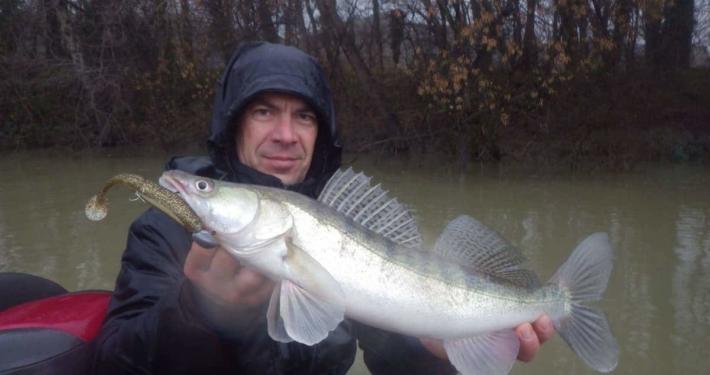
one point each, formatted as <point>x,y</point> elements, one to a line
<point>17,288</point>
<point>42,352</point>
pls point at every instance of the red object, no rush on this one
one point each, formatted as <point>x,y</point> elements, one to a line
<point>79,314</point>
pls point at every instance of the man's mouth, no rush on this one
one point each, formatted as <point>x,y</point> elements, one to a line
<point>282,158</point>
<point>278,163</point>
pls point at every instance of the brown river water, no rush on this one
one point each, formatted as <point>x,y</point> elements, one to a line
<point>657,216</point>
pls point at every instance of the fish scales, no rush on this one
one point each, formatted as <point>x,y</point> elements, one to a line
<point>422,290</point>
<point>418,260</point>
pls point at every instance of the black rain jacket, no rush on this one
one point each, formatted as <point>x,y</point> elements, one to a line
<point>157,324</point>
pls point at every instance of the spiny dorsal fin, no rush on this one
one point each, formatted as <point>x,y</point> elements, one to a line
<point>468,242</point>
<point>352,195</point>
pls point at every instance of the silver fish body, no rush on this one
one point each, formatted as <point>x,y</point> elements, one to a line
<point>470,292</point>
<point>412,292</point>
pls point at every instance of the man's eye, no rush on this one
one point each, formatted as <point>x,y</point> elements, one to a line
<point>261,112</point>
<point>308,117</point>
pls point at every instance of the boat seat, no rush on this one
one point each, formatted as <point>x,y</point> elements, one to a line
<point>53,335</point>
<point>42,351</point>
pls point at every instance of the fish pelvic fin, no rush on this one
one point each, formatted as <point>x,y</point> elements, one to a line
<point>295,314</point>
<point>491,354</point>
<point>306,306</point>
<point>584,277</point>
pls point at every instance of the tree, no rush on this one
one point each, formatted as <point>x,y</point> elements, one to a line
<point>669,32</point>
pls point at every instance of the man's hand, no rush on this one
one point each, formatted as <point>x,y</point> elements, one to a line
<point>224,281</point>
<point>531,337</point>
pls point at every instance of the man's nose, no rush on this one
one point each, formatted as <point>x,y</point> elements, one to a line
<point>284,129</point>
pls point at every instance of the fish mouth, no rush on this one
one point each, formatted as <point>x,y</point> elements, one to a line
<point>173,184</point>
<point>167,180</point>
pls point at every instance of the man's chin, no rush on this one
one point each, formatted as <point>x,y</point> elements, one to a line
<point>288,176</point>
<point>288,179</point>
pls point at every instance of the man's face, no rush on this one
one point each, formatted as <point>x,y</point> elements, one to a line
<point>277,135</point>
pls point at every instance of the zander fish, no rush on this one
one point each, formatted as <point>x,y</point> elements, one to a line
<point>357,253</point>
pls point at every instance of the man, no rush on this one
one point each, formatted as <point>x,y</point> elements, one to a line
<point>181,308</point>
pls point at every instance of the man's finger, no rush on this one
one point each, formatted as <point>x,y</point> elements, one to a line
<point>435,347</point>
<point>198,259</point>
<point>260,294</point>
<point>544,328</point>
<point>529,343</point>
<point>224,267</point>
<point>248,280</point>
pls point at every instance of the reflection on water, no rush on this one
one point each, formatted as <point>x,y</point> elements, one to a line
<point>658,218</point>
<point>690,290</point>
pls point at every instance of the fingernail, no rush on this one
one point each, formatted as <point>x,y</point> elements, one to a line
<point>205,239</point>
<point>527,333</point>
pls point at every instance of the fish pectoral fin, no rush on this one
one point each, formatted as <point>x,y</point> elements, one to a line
<point>306,272</point>
<point>492,353</point>
<point>274,219</point>
<point>295,314</point>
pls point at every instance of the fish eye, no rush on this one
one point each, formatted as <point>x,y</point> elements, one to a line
<point>203,186</point>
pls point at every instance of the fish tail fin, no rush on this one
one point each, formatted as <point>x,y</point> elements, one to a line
<point>584,277</point>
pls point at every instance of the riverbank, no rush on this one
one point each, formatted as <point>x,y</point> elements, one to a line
<point>620,123</point>
<point>611,122</point>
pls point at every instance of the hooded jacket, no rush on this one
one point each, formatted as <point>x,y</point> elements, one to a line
<point>156,321</point>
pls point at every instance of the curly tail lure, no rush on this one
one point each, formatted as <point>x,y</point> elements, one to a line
<point>156,195</point>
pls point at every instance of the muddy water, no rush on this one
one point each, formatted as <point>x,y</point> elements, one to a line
<point>658,218</point>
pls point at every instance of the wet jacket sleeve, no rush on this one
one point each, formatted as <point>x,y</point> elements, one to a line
<point>387,353</point>
<point>152,325</point>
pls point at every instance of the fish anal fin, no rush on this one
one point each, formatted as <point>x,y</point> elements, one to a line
<point>491,353</point>
<point>471,244</point>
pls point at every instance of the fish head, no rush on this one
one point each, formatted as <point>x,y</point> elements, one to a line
<point>223,208</point>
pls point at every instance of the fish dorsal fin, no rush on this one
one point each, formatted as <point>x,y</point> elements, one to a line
<point>468,242</point>
<point>352,195</point>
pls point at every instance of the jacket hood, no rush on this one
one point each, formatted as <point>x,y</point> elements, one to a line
<point>261,67</point>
